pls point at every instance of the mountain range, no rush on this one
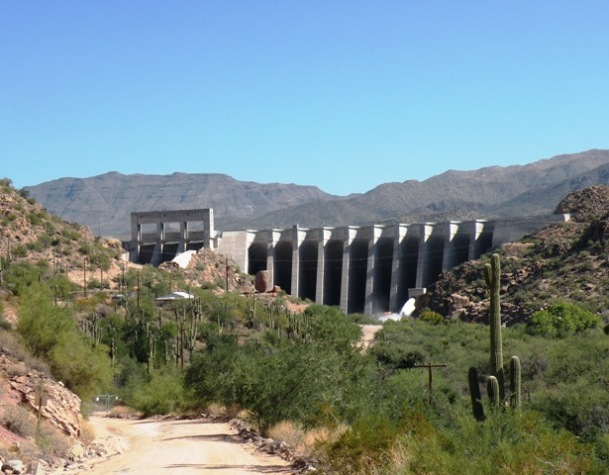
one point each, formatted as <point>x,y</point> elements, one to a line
<point>105,202</point>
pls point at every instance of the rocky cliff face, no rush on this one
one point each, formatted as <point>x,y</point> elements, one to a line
<point>22,385</point>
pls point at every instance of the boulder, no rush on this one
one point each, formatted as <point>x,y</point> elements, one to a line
<point>13,466</point>
<point>263,281</point>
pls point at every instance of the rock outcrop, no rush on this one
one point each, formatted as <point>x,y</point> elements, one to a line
<point>60,406</point>
<point>564,261</point>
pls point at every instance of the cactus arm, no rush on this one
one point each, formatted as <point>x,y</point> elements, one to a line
<point>515,382</point>
<point>492,387</point>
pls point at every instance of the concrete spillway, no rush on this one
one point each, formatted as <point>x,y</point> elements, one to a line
<point>363,269</point>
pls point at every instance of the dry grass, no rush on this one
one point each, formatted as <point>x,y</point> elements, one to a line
<point>54,442</point>
<point>87,432</point>
<point>19,421</point>
<point>399,458</point>
<point>11,346</point>
<point>303,441</point>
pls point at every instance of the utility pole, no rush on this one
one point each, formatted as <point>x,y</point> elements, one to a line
<point>429,367</point>
<point>227,274</point>
<point>106,398</point>
<point>84,271</point>
<point>122,284</point>
<point>138,292</point>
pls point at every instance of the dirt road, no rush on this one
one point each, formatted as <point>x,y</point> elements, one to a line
<point>179,447</point>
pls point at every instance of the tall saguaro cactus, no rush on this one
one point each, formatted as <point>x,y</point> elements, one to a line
<point>492,275</point>
<point>496,380</point>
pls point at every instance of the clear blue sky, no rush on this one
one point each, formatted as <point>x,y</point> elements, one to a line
<point>344,95</point>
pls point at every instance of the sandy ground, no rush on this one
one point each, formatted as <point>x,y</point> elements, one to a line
<point>368,334</point>
<point>171,447</point>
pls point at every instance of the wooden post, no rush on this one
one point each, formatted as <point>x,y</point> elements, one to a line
<point>40,401</point>
<point>429,367</point>
<point>227,274</point>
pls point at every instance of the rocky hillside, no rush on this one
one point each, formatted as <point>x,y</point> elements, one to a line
<point>209,270</point>
<point>562,261</point>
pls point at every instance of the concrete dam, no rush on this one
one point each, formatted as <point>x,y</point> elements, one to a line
<point>363,269</point>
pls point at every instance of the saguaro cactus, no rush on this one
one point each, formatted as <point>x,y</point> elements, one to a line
<point>515,382</point>
<point>492,275</point>
<point>496,381</point>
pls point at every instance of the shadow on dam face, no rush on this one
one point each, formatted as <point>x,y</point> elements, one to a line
<point>308,255</point>
<point>146,253</point>
<point>257,257</point>
<point>334,271</point>
<point>357,276</point>
<point>382,275</point>
<point>283,266</point>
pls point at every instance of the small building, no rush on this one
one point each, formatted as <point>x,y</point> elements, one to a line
<point>173,296</point>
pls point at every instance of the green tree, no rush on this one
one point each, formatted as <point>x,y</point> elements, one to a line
<point>562,319</point>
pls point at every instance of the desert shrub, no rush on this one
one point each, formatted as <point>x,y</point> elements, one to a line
<point>19,251</point>
<point>391,356</point>
<point>161,393</point>
<point>574,393</point>
<point>50,333</point>
<point>36,246</point>
<point>70,233</point>
<point>328,326</point>
<point>507,443</point>
<point>34,219</point>
<point>429,316</point>
<point>304,441</point>
<point>18,420</point>
<point>83,368</point>
<point>561,319</point>
<point>45,241</point>
<point>362,448</point>
<point>52,441</point>
<point>209,377</point>
<point>12,346</point>
<point>362,319</point>
<point>4,323</point>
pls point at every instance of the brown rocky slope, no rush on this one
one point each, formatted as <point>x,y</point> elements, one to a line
<point>566,261</point>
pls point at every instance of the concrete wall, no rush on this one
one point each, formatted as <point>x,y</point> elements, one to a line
<point>363,269</point>
<point>157,235</point>
<point>368,269</point>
